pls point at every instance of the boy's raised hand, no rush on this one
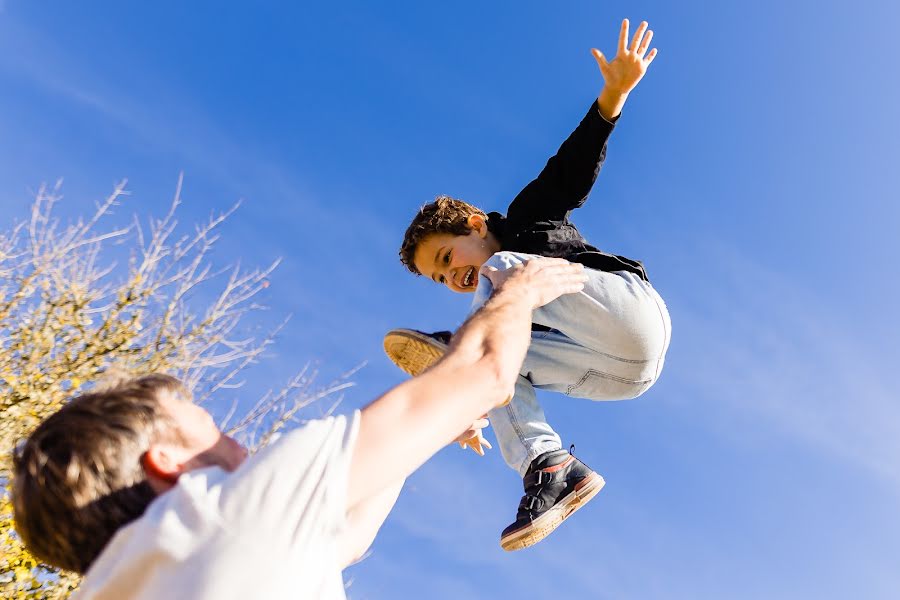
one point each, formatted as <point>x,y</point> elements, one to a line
<point>622,73</point>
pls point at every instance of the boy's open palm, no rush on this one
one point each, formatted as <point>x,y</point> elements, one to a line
<point>623,72</point>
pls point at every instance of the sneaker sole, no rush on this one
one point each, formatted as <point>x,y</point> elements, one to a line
<point>412,351</point>
<point>415,352</point>
<point>553,518</point>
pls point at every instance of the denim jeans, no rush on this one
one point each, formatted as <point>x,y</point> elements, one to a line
<point>607,342</point>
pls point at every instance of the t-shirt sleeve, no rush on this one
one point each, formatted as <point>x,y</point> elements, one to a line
<point>295,489</point>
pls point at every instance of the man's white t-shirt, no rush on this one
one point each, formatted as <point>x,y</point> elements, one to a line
<point>270,529</point>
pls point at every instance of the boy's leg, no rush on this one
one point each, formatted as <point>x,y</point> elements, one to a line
<point>556,483</point>
<point>609,341</point>
<point>522,429</point>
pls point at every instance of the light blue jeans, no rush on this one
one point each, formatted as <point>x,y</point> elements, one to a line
<point>608,342</point>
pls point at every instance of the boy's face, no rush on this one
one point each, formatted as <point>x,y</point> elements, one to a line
<point>454,260</point>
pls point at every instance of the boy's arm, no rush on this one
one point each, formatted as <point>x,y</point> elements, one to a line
<point>566,180</point>
<point>406,426</point>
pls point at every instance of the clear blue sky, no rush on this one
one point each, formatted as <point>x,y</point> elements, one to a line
<point>754,171</point>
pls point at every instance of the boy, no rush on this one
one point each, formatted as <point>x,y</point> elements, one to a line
<point>606,343</point>
<point>136,487</point>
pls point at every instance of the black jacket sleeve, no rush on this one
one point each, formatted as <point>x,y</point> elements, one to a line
<point>566,181</point>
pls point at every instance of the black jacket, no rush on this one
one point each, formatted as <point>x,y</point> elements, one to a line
<point>537,220</point>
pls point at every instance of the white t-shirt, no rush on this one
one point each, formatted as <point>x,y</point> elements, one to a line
<point>268,530</point>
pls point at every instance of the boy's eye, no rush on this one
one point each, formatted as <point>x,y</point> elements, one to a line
<point>441,279</point>
<point>447,258</point>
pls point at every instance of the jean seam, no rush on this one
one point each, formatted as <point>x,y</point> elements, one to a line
<point>620,359</point>
<point>591,372</point>
<point>514,421</point>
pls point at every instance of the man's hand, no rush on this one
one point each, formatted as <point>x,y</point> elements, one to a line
<point>542,279</point>
<point>473,437</point>
<point>623,72</point>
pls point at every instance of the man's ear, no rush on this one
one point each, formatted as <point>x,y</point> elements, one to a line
<point>161,466</point>
<point>478,223</point>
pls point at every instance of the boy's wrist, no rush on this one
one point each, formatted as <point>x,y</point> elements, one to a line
<point>610,102</point>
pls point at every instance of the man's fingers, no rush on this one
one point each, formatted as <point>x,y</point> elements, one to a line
<point>645,43</point>
<point>623,36</point>
<point>637,36</point>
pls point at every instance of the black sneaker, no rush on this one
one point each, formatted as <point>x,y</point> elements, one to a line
<point>556,485</point>
<point>414,351</point>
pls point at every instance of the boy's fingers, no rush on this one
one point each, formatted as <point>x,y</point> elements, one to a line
<point>645,43</point>
<point>650,57</point>
<point>601,60</point>
<point>623,36</point>
<point>637,35</point>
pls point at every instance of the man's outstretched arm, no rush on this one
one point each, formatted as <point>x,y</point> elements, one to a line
<point>403,428</point>
<point>363,522</point>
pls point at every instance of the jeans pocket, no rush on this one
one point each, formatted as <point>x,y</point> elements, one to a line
<point>597,385</point>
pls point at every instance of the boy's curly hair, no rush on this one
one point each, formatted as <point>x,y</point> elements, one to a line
<point>444,215</point>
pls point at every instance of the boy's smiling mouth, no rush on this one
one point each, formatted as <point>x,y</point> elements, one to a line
<point>469,278</point>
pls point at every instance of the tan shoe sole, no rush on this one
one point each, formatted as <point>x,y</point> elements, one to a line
<point>544,525</point>
<point>413,351</point>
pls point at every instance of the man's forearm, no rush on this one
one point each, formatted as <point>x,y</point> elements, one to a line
<point>406,426</point>
<point>364,521</point>
<point>498,335</point>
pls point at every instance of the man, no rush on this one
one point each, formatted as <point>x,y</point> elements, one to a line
<point>136,487</point>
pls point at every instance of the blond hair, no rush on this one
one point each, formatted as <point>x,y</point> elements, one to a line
<point>444,215</point>
<point>78,477</point>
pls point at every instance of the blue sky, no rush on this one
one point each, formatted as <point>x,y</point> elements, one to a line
<point>753,171</point>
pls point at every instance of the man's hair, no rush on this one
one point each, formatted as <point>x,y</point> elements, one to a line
<point>444,215</point>
<point>78,477</point>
